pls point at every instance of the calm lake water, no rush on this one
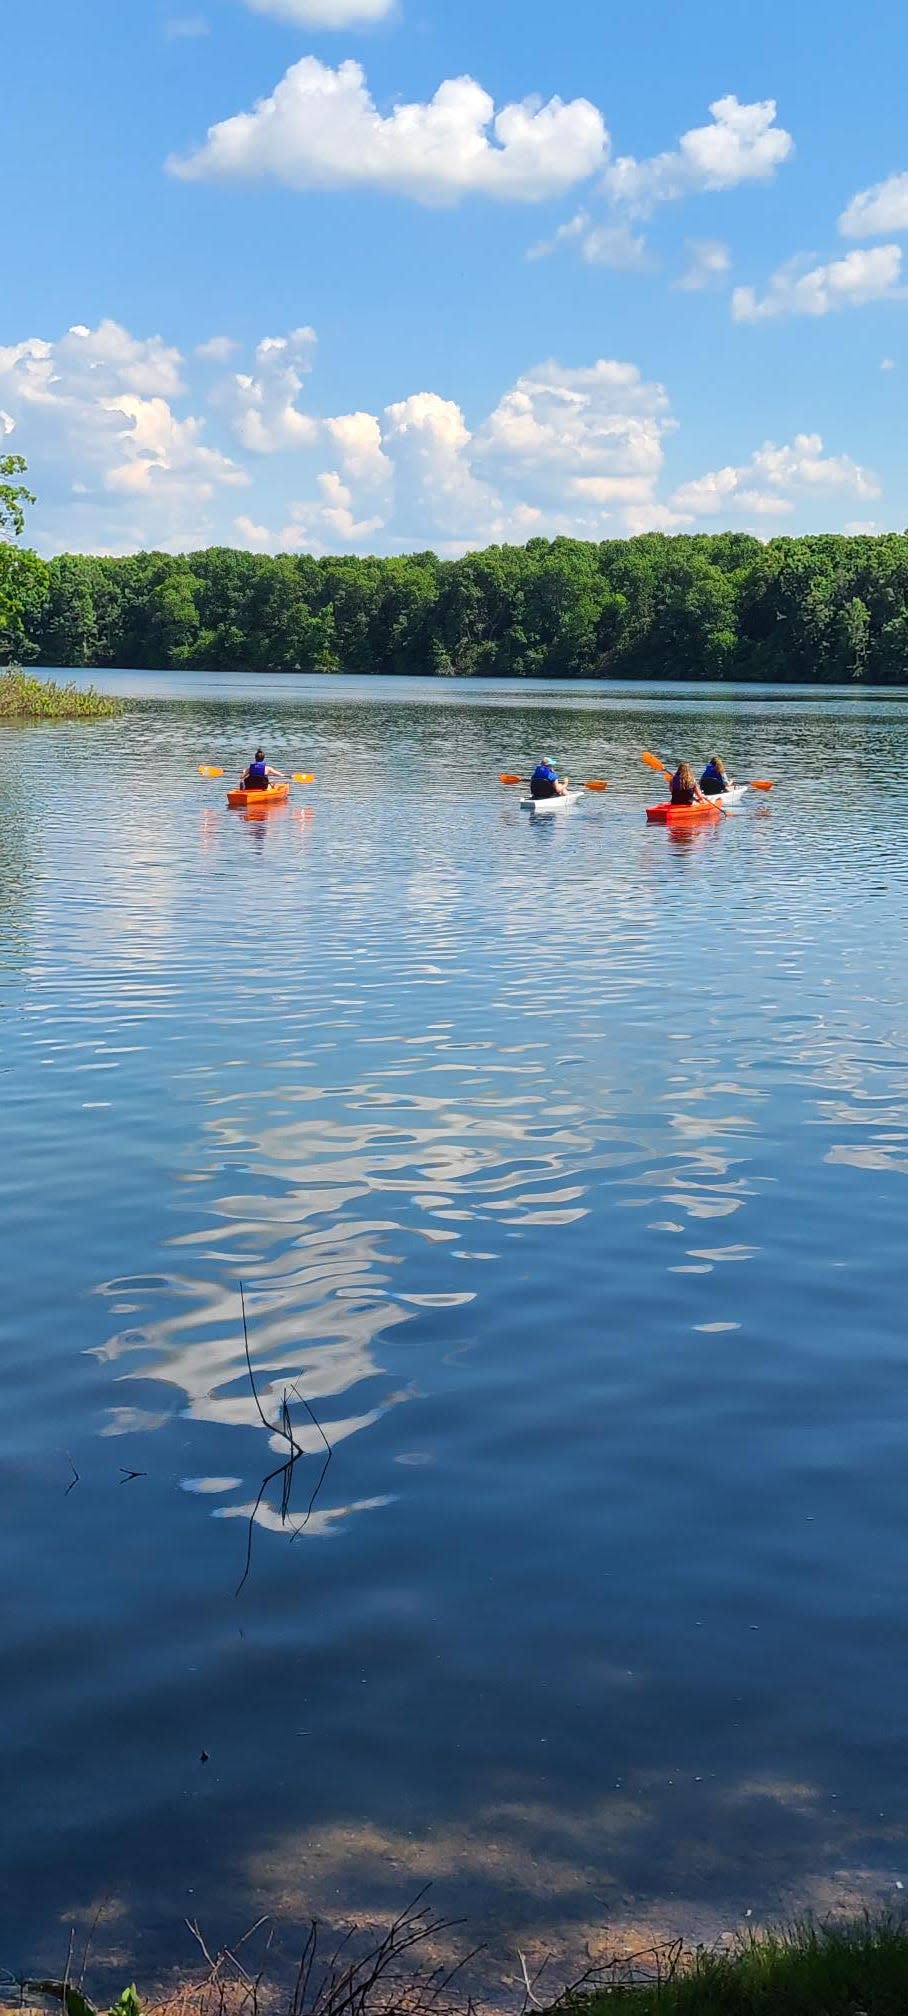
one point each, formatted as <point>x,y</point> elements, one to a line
<point>564,1166</point>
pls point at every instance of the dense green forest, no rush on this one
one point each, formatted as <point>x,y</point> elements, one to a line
<point>655,607</point>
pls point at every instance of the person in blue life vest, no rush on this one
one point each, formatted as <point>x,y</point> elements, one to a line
<point>715,778</point>
<point>544,782</point>
<point>258,776</point>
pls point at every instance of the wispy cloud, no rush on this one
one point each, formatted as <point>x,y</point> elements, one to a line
<point>821,290</point>
<point>186,28</point>
<point>614,245</point>
<point>324,13</point>
<point>708,266</point>
<point>875,212</point>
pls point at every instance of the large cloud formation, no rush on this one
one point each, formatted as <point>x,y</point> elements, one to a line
<point>321,129</point>
<point>125,453</point>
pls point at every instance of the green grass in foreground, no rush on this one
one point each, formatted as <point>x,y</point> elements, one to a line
<point>860,1970</point>
<point>805,1970</point>
<point>23,698</point>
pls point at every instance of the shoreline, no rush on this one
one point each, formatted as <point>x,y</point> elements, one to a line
<point>858,1967</point>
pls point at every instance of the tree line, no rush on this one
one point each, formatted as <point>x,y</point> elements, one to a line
<point>825,608</point>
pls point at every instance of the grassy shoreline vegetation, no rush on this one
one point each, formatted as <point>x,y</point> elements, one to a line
<point>24,698</point>
<point>803,1970</point>
<point>712,607</point>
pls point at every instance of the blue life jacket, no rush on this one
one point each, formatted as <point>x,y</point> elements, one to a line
<point>257,774</point>
<point>713,781</point>
<point>544,774</point>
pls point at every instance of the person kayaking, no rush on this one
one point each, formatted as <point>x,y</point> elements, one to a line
<point>258,776</point>
<point>544,782</point>
<point>684,787</point>
<point>715,778</point>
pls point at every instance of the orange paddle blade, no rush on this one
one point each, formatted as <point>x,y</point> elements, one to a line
<point>303,776</point>
<point>655,763</point>
<point>760,784</point>
<point>208,770</point>
<point>509,777</point>
<point>596,784</point>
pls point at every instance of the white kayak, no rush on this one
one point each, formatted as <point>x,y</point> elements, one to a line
<point>732,796</point>
<point>542,806</point>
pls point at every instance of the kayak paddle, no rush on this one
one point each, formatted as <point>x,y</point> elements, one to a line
<point>299,776</point>
<point>589,783</point>
<point>654,763</point>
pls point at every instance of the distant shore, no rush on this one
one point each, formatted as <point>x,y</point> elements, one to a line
<point>723,607</point>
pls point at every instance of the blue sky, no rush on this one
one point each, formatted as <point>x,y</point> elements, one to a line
<point>487,316</point>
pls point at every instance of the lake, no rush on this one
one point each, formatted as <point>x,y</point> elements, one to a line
<point>563,1166</point>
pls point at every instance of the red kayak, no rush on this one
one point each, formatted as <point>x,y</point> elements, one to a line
<point>685,815</point>
<point>681,815</point>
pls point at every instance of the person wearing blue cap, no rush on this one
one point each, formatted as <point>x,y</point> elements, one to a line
<point>544,781</point>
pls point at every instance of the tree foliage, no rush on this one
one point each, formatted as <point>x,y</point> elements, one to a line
<point>655,607</point>
<point>23,577</point>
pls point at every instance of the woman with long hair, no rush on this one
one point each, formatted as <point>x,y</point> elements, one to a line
<point>684,787</point>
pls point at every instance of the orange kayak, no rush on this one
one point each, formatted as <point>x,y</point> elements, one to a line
<point>682,815</point>
<point>271,797</point>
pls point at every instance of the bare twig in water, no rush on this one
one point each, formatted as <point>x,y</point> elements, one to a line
<point>75,1476</point>
<point>262,1415</point>
<point>365,1973</point>
<point>529,1985</point>
<point>89,1942</point>
<point>375,1983</point>
<point>324,1469</point>
<point>378,1980</point>
<point>67,1971</point>
<point>128,1476</point>
<point>285,1470</point>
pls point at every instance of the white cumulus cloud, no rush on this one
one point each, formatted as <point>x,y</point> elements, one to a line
<point>742,143</point>
<point>321,129</point>
<point>358,440</point>
<point>774,480</point>
<point>875,212</point>
<point>261,404</point>
<point>600,420</point>
<point>161,451</point>
<point>574,449</point>
<point>849,282</point>
<point>95,412</point>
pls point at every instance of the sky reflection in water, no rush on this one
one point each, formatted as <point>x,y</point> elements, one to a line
<point>562,1168</point>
